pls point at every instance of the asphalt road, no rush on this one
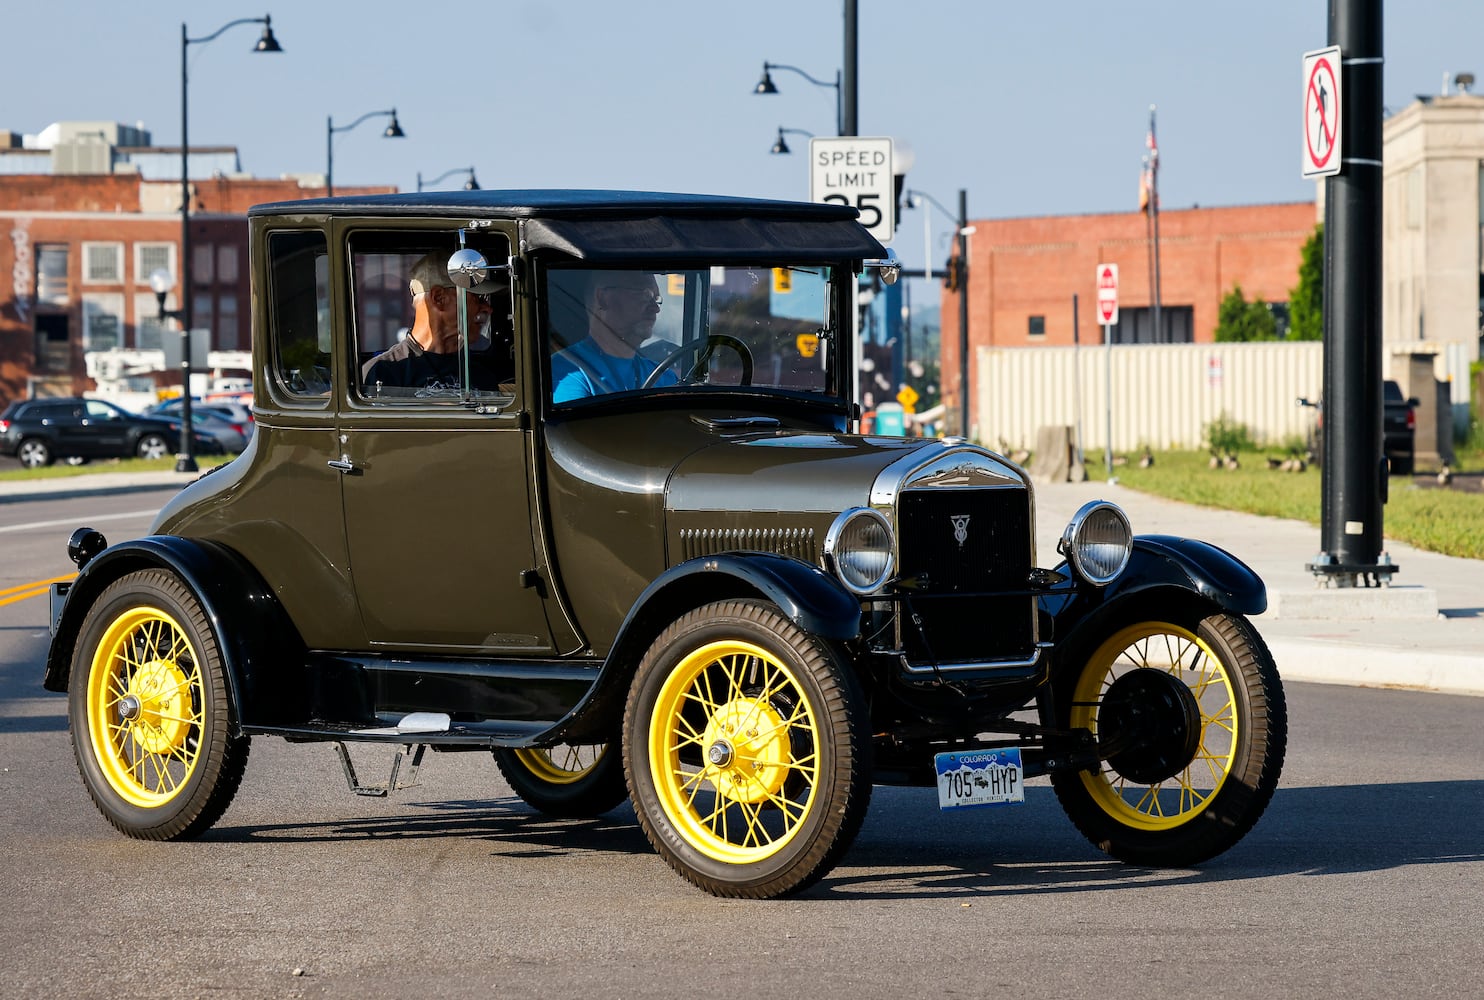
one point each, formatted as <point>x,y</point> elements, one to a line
<point>1365,879</point>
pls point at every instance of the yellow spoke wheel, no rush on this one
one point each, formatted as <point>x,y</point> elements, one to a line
<point>1190,723</point>
<point>144,707</point>
<point>1198,681</point>
<point>149,712</point>
<point>743,749</point>
<point>566,780</point>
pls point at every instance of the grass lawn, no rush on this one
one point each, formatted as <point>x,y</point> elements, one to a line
<point>1439,520</point>
<point>62,471</point>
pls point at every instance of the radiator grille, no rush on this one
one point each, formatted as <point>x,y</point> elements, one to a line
<point>969,554</point>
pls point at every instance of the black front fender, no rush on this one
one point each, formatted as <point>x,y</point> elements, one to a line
<point>804,593</point>
<point>259,645</point>
<point>1160,568</point>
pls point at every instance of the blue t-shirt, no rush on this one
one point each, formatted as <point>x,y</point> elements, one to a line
<point>585,369</point>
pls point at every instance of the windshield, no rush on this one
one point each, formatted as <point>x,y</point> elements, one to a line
<point>617,330</point>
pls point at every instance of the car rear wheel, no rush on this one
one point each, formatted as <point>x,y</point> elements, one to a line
<point>745,748</point>
<point>34,453</point>
<point>575,782</point>
<point>153,446</point>
<point>1191,723</point>
<point>150,717</point>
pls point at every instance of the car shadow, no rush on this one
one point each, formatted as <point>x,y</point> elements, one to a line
<point>1318,831</point>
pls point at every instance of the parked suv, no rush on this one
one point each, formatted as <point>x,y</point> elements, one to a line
<point>39,431</point>
<point>624,535</point>
<point>1398,428</point>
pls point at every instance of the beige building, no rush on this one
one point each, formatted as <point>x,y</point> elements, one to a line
<point>1432,243</point>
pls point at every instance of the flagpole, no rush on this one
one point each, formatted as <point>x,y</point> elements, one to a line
<point>1148,209</point>
<point>1154,213</point>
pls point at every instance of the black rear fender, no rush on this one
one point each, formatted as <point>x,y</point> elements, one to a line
<point>260,647</point>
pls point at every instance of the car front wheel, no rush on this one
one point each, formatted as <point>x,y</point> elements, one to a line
<point>1191,724</point>
<point>149,712</point>
<point>574,782</point>
<point>34,453</point>
<point>745,748</point>
<point>153,446</point>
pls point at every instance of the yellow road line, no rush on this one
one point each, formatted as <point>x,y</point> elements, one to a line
<point>34,589</point>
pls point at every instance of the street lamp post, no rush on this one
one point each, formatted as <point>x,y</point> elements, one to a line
<point>845,82</point>
<point>780,148</point>
<point>393,131</point>
<point>470,185</point>
<point>765,85</point>
<point>185,461</point>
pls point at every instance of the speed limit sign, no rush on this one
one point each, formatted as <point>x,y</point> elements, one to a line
<point>855,171</point>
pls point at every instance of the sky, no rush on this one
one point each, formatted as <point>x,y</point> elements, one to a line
<point>1031,108</point>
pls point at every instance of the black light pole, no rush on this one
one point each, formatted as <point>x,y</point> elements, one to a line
<point>469,185</point>
<point>963,310</point>
<point>393,131</point>
<point>185,461</point>
<point>848,94</point>
<point>1354,471</point>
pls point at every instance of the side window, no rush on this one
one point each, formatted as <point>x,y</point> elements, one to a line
<point>421,339</point>
<point>299,312</point>
<point>100,411</point>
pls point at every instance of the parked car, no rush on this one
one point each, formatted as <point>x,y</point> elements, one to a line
<point>1398,428</point>
<point>233,411</point>
<point>671,574</point>
<point>212,420</point>
<point>39,431</point>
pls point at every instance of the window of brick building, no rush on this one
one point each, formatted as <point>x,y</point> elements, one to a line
<point>51,274</point>
<point>225,336</point>
<point>103,263</point>
<point>152,257</point>
<point>149,329</point>
<point>226,264</point>
<point>1037,326</point>
<point>102,321</point>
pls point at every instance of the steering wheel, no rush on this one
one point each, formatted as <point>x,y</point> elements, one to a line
<point>713,341</point>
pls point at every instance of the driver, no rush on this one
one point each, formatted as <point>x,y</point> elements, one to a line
<point>622,307</point>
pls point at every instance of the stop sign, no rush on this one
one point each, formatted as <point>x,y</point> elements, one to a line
<point>1108,294</point>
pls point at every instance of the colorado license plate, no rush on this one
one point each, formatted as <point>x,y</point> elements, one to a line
<point>979,778</point>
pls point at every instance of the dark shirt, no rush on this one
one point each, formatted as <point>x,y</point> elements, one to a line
<point>405,365</point>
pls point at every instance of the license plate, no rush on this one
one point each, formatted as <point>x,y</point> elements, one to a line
<point>979,778</point>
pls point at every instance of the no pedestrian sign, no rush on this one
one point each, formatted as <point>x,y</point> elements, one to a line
<point>1322,112</point>
<point>1108,294</point>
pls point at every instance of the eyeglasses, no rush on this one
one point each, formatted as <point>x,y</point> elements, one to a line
<point>647,293</point>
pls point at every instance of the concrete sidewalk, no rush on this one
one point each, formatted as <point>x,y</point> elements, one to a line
<point>1375,638</point>
<point>1371,638</point>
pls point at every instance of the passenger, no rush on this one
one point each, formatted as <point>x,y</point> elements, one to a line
<point>622,307</point>
<point>427,358</point>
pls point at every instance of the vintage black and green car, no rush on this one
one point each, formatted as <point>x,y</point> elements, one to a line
<point>573,478</point>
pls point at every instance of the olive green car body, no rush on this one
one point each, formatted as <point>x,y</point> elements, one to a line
<point>509,560</point>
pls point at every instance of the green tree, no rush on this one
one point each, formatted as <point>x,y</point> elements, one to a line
<point>1240,320</point>
<point>1306,300</point>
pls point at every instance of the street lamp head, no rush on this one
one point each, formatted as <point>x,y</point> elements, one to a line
<point>267,43</point>
<point>765,86</point>
<point>160,281</point>
<point>471,184</point>
<point>394,130</point>
<point>781,146</point>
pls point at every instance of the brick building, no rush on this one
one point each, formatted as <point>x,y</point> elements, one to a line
<point>1023,274</point>
<point>84,225</point>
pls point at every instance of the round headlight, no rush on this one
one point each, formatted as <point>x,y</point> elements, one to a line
<point>1097,542</point>
<point>859,547</point>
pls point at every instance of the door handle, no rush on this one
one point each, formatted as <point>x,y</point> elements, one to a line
<point>342,464</point>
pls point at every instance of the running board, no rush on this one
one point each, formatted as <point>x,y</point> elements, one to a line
<point>413,752</point>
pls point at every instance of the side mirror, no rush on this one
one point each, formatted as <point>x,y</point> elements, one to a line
<point>889,266</point>
<point>468,269</point>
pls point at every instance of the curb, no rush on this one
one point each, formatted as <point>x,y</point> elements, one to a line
<point>1413,670</point>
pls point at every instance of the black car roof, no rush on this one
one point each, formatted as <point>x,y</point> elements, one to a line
<point>534,203</point>
<point>620,225</point>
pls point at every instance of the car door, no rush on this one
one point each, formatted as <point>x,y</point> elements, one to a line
<point>105,428</point>
<point>436,487</point>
